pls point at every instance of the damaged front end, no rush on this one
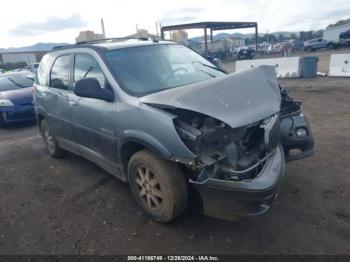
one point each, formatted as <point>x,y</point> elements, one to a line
<point>296,138</point>
<point>222,152</point>
<point>240,135</point>
<point>237,171</point>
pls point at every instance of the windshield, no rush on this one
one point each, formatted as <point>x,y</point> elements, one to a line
<point>149,69</point>
<point>14,81</point>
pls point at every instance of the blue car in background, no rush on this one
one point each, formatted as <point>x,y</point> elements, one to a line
<point>16,97</point>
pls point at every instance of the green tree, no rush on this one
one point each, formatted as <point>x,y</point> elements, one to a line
<point>293,36</point>
<point>340,22</point>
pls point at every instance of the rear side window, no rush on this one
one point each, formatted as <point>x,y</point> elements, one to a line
<point>42,71</point>
<point>59,76</point>
<point>86,66</point>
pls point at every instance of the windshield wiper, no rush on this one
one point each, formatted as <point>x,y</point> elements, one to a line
<point>212,67</point>
<point>206,72</point>
<point>30,78</point>
<point>15,83</point>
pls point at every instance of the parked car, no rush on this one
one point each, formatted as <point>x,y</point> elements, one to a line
<point>318,43</point>
<point>245,53</point>
<point>167,121</point>
<point>32,67</point>
<point>297,45</point>
<point>274,49</point>
<point>16,98</point>
<point>344,38</point>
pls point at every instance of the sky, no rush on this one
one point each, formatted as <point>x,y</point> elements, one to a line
<point>25,23</point>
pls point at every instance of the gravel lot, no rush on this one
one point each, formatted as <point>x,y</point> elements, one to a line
<point>71,206</point>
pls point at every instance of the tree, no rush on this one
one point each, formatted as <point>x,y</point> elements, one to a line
<point>281,37</point>
<point>340,22</point>
<point>293,36</point>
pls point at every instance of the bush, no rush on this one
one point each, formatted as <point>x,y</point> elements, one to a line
<point>12,66</point>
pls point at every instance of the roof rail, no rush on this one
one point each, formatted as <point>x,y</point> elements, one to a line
<point>104,40</point>
<point>113,39</point>
<point>61,46</point>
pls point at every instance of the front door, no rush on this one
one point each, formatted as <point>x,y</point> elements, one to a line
<point>94,120</point>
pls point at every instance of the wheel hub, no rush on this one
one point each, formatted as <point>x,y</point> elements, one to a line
<point>149,188</point>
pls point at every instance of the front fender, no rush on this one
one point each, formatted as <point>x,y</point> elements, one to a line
<point>145,139</point>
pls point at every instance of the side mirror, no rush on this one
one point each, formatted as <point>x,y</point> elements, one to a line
<point>90,87</point>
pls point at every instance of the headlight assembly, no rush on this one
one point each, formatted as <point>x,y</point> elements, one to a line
<point>6,102</point>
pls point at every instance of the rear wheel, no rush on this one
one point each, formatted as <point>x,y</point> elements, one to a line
<point>50,141</point>
<point>158,186</point>
<point>331,46</point>
<point>309,48</point>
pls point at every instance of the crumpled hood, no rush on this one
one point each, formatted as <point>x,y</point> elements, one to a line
<point>236,99</point>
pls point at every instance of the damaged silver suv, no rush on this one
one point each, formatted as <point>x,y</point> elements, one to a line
<point>169,122</point>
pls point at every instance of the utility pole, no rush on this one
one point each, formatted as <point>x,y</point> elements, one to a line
<point>267,36</point>
<point>157,29</point>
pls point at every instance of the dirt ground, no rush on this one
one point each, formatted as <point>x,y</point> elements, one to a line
<point>71,206</point>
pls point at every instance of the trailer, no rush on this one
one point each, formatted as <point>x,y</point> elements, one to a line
<point>333,33</point>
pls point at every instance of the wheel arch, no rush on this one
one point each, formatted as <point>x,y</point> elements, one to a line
<point>136,141</point>
<point>39,117</point>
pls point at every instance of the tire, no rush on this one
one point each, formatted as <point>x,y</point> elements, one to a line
<point>158,186</point>
<point>50,141</point>
<point>309,49</point>
<point>330,46</point>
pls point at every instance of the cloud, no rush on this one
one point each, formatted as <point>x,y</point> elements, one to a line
<point>51,24</point>
<point>181,15</point>
<point>339,13</point>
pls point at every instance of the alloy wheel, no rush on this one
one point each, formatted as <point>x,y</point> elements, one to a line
<point>49,140</point>
<point>149,188</point>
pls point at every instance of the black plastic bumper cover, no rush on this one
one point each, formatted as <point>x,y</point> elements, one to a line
<point>229,199</point>
<point>289,139</point>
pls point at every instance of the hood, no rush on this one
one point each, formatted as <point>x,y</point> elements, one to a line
<point>18,96</point>
<point>236,99</point>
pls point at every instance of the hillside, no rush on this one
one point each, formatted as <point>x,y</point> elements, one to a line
<point>35,47</point>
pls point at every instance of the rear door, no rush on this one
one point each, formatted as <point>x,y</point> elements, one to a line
<point>57,101</point>
<point>94,119</point>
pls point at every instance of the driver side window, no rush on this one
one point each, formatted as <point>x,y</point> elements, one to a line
<point>86,66</point>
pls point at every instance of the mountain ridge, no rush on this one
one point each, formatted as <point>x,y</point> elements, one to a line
<point>36,47</point>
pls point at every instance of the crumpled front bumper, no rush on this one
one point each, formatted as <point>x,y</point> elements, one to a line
<point>296,147</point>
<point>229,199</point>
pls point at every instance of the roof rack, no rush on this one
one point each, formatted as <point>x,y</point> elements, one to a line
<point>105,40</point>
<point>113,39</point>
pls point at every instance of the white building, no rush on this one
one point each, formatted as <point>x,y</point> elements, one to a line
<point>237,42</point>
<point>332,34</point>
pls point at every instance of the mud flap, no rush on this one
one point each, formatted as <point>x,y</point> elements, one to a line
<point>296,136</point>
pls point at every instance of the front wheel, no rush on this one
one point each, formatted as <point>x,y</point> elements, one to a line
<point>50,141</point>
<point>158,186</point>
